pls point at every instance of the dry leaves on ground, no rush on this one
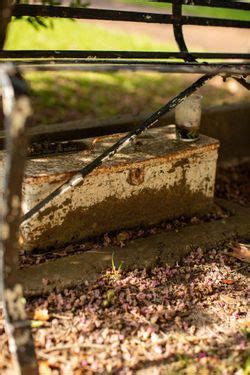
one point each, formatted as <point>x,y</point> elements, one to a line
<point>186,319</point>
<point>241,251</point>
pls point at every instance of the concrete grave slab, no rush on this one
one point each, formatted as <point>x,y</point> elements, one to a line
<point>153,179</point>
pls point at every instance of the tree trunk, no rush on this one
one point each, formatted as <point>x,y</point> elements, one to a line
<point>16,111</point>
<point>5,16</point>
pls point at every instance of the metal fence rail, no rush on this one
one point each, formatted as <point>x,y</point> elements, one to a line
<point>80,54</point>
<point>122,15</point>
<point>106,66</point>
<point>231,4</point>
<point>130,59</point>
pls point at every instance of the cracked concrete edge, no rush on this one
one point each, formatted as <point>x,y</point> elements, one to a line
<point>144,252</point>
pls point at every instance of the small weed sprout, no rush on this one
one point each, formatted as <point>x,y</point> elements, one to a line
<point>110,296</point>
<point>116,271</point>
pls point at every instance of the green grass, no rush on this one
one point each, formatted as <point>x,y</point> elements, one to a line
<point>58,97</point>
<point>74,35</point>
<point>65,96</point>
<point>197,10</point>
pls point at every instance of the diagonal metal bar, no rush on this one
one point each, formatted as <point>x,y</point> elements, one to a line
<point>243,82</point>
<point>16,110</point>
<point>78,178</point>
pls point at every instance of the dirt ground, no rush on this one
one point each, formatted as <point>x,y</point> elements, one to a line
<point>190,318</point>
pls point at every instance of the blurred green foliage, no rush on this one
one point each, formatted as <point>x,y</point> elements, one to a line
<point>38,22</point>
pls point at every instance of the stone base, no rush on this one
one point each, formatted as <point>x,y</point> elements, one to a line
<point>162,248</point>
<point>154,179</point>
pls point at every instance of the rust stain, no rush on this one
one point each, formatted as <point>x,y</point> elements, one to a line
<point>136,176</point>
<point>113,214</point>
<point>168,172</point>
<point>56,169</point>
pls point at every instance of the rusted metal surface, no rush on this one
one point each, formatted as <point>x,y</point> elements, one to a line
<point>16,110</point>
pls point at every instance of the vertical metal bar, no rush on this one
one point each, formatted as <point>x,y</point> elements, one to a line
<point>178,31</point>
<point>16,109</point>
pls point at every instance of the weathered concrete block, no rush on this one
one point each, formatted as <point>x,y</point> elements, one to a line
<point>154,179</point>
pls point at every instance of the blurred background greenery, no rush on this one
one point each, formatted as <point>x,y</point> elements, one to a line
<point>68,96</point>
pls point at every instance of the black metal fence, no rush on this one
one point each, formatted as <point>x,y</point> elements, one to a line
<point>117,60</point>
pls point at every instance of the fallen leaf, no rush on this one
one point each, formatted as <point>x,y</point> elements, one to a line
<point>122,236</point>
<point>229,300</point>
<point>227,281</point>
<point>178,321</point>
<point>41,314</point>
<point>241,251</point>
<point>244,323</point>
<point>36,323</point>
<point>44,368</point>
<point>20,240</point>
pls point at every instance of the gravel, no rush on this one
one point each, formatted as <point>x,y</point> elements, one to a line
<point>233,184</point>
<point>190,318</point>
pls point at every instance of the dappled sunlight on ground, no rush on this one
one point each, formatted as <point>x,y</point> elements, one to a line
<point>59,97</point>
<point>189,316</point>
